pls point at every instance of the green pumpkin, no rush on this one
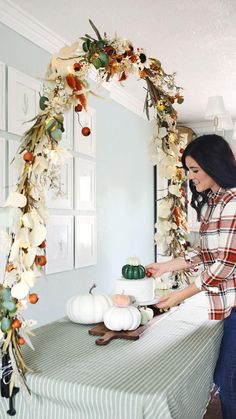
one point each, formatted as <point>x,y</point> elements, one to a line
<point>133,271</point>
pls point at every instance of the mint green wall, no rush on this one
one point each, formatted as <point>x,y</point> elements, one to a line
<point>124,190</point>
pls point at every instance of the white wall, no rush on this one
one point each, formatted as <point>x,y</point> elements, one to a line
<point>124,190</point>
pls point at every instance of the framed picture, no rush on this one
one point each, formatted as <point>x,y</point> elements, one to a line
<point>23,100</point>
<point>60,239</point>
<point>2,96</point>
<point>85,184</point>
<point>186,133</point>
<point>65,198</point>
<point>15,164</point>
<point>85,240</point>
<point>85,144</point>
<point>2,171</point>
<point>67,137</point>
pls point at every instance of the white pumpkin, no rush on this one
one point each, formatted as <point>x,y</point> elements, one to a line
<point>88,308</point>
<point>146,314</point>
<point>122,318</point>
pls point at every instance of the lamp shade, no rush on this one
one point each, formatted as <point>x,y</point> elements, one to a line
<point>215,107</point>
<point>225,122</point>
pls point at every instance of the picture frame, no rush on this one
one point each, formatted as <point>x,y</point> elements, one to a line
<point>85,184</point>
<point>65,201</point>
<point>186,133</point>
<point>2,96</point>
<point>15,164</point>
<point>2,172</point>
<point>82,144</point>
<point>23,100</point>
<point>85,241</point>
<point>60,240</point>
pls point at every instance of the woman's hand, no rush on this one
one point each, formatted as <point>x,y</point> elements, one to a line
<point>170,300</point>
<point>156,269</point>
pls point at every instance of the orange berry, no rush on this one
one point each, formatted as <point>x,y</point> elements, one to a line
<point>40,260</point>
<point>16,324</point>
<point>28,156</point>
<point>77,66</point>
<point>20,340</point>
<point>86,131</point>
<point>33,298</point>
<point>78,108</point>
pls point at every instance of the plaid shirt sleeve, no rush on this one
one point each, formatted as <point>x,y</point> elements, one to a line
<point>222,268</point>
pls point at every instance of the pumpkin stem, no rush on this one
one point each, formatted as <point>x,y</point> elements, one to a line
<point>92,287</point>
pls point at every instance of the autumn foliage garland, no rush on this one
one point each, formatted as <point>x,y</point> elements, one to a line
<point>66,86</point>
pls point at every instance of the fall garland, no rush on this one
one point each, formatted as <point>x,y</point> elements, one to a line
<point>66,86</point>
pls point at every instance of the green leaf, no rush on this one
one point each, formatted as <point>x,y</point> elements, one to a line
<point>5,324</point>
<point>86,45</point>
<point>9,305</point>
<point>43,102</point>
<point>50,124</point>
<point>101,45</point>
<point>56,134</point>
<point>95,30</point>
<point>104,59</point>
<point>6,294</point>
<point>97,63</point>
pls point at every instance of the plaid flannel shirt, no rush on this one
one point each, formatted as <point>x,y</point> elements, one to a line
<point>217,253</point>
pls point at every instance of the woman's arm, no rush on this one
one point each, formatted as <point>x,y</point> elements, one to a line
<point>176,297</point>
<point>177,264</point>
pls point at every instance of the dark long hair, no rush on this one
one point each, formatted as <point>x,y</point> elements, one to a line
<point>215,157</point>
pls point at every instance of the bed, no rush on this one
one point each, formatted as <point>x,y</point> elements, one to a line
<point>165,374</point>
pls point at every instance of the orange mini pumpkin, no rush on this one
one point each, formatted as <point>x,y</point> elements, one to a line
<point>121,300</point>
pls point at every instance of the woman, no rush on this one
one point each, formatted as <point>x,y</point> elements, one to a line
<point>211,168</point>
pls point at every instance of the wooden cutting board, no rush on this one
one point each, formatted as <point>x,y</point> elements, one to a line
<point>108,335</point>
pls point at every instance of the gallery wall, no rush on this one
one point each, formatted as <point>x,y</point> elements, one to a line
<point>123,206</point>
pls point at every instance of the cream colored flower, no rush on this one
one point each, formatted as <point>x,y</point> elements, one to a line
<point>16,200</point>
<point>59,155</point>
<point>20,290</point>
<point>174,190</point>
<point>164,208</point>
<point>28,277</point>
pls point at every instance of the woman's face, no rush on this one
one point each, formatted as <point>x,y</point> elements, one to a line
<point>201,179</point>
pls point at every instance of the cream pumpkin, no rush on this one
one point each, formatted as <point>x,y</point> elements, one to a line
<point>146,314</point>
<point>122,318</point>
<point>88,308</point>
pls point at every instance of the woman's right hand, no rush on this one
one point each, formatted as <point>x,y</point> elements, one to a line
<point>156,269</point>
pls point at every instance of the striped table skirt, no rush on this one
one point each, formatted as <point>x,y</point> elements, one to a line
<point>166,374</point>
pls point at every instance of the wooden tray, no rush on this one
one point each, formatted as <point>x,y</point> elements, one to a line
<point>108,335</point>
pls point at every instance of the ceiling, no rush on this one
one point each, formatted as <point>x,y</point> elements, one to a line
<point>195,38</point>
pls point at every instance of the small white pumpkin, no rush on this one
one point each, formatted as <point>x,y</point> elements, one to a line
<point>88,308</point>
<point>122,318</point>
<point>146,314</point>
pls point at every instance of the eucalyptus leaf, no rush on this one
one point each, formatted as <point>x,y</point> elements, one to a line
<point>5,324</point>
<point>50,124</point>
<point>9,305</point>
<point>6,294</point>
<point>56,134</point>
<point>43,102</point>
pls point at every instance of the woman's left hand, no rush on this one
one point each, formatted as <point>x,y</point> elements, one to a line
<point>170,300</point>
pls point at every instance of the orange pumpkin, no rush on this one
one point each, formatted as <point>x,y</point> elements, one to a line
<point>121,300</point>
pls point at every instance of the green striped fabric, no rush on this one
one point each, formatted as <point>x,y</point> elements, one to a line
<point>166,374</point>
